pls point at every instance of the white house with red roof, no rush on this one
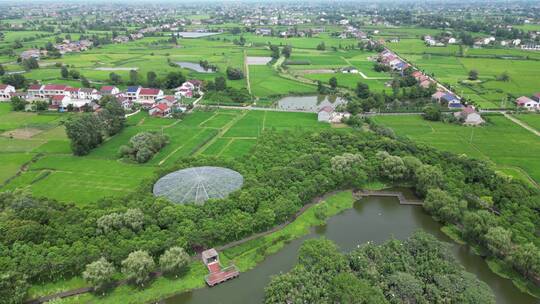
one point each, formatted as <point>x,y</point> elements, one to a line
<point>73,92</point>
<point>34,92</point>
<point>89,94</point>
<point>528,103</point>
<point>149,94</point>
<point>50,90</point>
<point>109,90</point>
<point>6,91</point>
<point>160,110</point>
<point>59,101</point>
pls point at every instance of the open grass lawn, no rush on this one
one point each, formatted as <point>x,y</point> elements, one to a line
<point>83,180</point>
<point>532,120</point>
<point>502,142</point>
<point>266,82</point>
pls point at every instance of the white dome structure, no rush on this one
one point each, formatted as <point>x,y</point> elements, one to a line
<point>198,184</point>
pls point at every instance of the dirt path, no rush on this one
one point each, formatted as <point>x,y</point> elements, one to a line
<point>246,72</point>
<point>521,123</point>
<point>220,134</point>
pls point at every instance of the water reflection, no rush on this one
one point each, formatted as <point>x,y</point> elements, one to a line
<point>309,103</point>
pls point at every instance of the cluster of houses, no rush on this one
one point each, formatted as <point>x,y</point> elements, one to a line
<point>430,41</point>
<point>392,60</point>
<point>530,103</point>
<point>291,32</point>
<point>63,98</point>
<point>68,46</point>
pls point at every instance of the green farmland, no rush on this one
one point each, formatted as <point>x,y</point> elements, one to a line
<point>510,147</point>
<point>54,172</point>
<point>451,65</point>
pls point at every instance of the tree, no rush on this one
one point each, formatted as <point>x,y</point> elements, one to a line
<point>526,259</point>
<point>64,72</point>
<point>473,75</point>
<point>220,83</point>
<point>151,79</point>
<point>133,77</point>
<point>347,288</point>
<point>174,80</point>
<point>85,82</point>
<point>74,74</point>
<point>13,287</point>
<point>406,288</point>
<point>18,103</point>
<point>112,116</point>
<point>85,133</point>
<point>2,70</point>
<point>16,80</point>
<point>275,51</point>
<point>504,76</point>
<point>321,46</point>
<point>115,78</point>
<point>428,177</point>
<point>432,112</point>
<point>30,64</point>
<point>362,90</point>
<point>444,206</point>
<point>286,51</point>
<point>174,260</point>
<point>138,266</point>
<point>333,83</point>
<point>391,167</point>
<point>234,74</point>
<point>99,273</point>
<point>499,241</point>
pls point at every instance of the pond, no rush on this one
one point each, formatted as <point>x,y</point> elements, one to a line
<point>196,34</point>
<point>309,103</point>
<point>372,219</point>
<point>193,66</point>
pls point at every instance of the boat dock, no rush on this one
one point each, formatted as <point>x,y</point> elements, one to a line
<point>217,274</point>
<point>402,199</point>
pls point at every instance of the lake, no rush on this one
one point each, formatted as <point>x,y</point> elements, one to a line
<point>374,219</point>
<point>309,103</point>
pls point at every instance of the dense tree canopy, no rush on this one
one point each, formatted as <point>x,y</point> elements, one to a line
<point>286,170</point>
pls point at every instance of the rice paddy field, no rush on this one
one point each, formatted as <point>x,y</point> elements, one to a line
<point>451,65</point>
<point>511,148</point>
<point>43,163</point>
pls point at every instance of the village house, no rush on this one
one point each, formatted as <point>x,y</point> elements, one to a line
<point>132,93</point>
<point>6,91</point>
<point>325,114</point>
<point>34,92</point>
<point>528,103</point>
<point>536,97</point>
<point>50,90</point>
<point>58,101</point>
<point>188,89</point>
<point>109,90</point>
<point>160,110</point>
<point>149,95</point>
<point>89,94</point>
<point>32,53</point>
<point>469,116</point>
<point>263,32</point>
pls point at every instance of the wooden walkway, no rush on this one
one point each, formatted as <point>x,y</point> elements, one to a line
<point>402,199</point>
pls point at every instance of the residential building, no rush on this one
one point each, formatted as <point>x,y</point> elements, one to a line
<point>6,91</point>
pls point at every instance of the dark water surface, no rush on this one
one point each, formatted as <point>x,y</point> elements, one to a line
<point>374,219</point>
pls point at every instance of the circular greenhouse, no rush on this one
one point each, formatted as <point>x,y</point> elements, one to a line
<point>198,184</point>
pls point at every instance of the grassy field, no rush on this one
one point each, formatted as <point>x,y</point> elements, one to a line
<point>532,120</point>
<point>57,174</point>
<point>508,146</point>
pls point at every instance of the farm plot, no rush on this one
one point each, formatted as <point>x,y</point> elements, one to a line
<point>501,142</point>
<point>532,120</point>
<point>59,175</point>
<point>267,82</point>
